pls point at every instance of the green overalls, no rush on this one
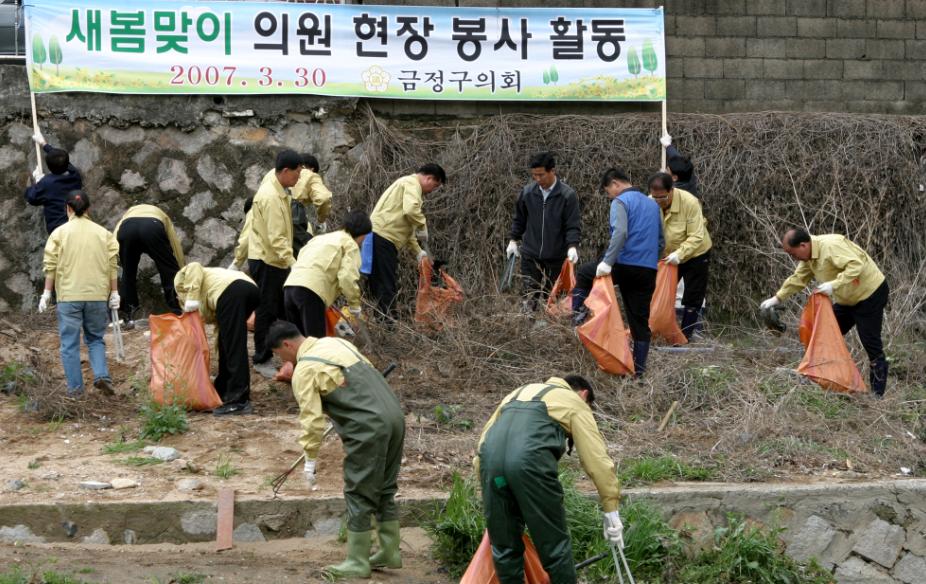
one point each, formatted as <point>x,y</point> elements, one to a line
<point>367,416</point>
<point>520,485</point>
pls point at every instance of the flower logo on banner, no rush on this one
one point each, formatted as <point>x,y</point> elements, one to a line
<point>375,79</point>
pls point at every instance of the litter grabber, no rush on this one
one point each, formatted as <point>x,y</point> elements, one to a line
<point>117,335</point>
<point>508,274</point>
<point>280,480</point>
<point>619,551</point>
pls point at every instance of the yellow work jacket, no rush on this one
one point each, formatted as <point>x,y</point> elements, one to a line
<point>313,380</point>
<point>571,412</point>
<point>150,211</point>
<point>83,258</point>
<point>685,227</point>
<point>310,189</point>
<point>833,258</point>
<point>397,214</point>
<point>205,285</point>
<point>241,249</point>
<point>329,265</point>
<point>271,236</point>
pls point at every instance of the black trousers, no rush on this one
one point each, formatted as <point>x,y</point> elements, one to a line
<point>270,281</point>
<point>636,285</point>
<point>306,310</point>
<point>146,235</point>
<point>538,276</point>
<point>867,316</point>
<point>383,281</point>
<point>695,274</point>
<point>232,310</point>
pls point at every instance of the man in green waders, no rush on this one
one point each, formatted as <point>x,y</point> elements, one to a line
<point>519,450</point>
<point>332,377</point>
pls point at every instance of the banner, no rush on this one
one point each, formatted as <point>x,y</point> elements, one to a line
<point>404,52</point>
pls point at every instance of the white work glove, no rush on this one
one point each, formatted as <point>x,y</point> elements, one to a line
<point>672,258</point>
<point>613,529</point>
<point>572,255</point>
<point>191,306</point>
<point>422,235</point>
<point>37,174</point>
<point>39,139</point>
<point>603,269</point>
<point>665,140</point>
<point>826,288</point>
<point>44,300</point>
<point>512,249</point>
<point>355,311</point>
<point>770,303</point>
<point>422,254</point>
<point>234,267</point>
<point>114,300</point>
<point>309,471</point>
<point>323,227</point>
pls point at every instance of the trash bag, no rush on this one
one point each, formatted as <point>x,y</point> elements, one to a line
<point>662,320</point>
<point>603,334</point>
<point>180,362</point>
<point>559,302</point>
<point>332,318</point>
<point>433,304</point>
<point>826,361</point>
<point>481,569</point>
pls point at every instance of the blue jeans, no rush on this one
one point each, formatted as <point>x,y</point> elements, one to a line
<point>92,316</point>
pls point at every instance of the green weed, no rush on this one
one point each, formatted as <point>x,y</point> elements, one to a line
<point>651,469</point>
<point>120,447</point>
<point>449,416</point>
<point>159,420</point>
<point>14,576</point>
<point>830,405</point>
<point>224,468</point>
<point>457,528</point>
<point>34,464</point>
<point>141,461</point>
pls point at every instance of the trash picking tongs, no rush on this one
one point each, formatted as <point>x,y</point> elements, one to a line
<point>117,335</point>
<point>278,482</point>
<point>620,566</point>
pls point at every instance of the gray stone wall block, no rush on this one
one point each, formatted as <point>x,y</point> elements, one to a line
<point>703,68</point>
<point>884,49</point>
<point>911,569</point>
<point>783,69</point>
<point>696,25</point>
<point>856,571</point>
<point>762,89</point>
<point>880,542</point>
<point>828,90</point>
<point>724,89</point>
<point>806,48</point>
<point>873,90</point>
<point>886,8</point>
<point>845,48</point>
<point>742,68</point>
<point>863,70</point>
<point>915,49</point>
<point>686,88</point>
<point>822,69</point>
<point>725,47</point>
<point>736,25</point>
<point>915,9</point>
<point>768,47</point>
<point>816,27</point>
<point>728,6</point>
<point>846,8</point>
<point>812,540</point>
<point>896,29</point>
<point>856,28</point>
<point>807,7</point>
<point>767,7</point>
<point>776,26</point>
<point>915,90</point>
<point>201,522</point>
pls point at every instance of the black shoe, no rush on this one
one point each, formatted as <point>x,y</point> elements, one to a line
<point>261,359</point>
<point>105,386</point>
<point>237,409</point>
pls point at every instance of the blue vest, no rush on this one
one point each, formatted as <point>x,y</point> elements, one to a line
<point>644,225</point>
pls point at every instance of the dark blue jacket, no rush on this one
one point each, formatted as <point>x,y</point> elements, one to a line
<point>547,229</point>
<point>51,192</point>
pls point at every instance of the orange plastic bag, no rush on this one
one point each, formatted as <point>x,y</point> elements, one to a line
<point>481,569</point>
<point>180,362</point>
<point>332,318</point>
<point>827,361</point>
<point>662,321</point>
<point>603,334</point>
<point>433,304</point>
<point>560,301</point>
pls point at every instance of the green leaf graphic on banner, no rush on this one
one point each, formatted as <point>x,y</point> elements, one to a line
<point>554,75</point>
<point>38,50</point>
<point>633,62</point>
<point>546,77</point>
<point>54,53</point>
<point>650,63</point>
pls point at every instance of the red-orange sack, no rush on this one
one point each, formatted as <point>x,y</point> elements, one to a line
<point>180,362</point>
<point>662,321</point>
<point>560,301</point>
<point>603,334</point>
<point>826,359</point>
<point>433,304</point>
<point>481,569</point>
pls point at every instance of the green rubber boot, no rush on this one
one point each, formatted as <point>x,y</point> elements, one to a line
<point>357,564</point>
<point>388,555</point>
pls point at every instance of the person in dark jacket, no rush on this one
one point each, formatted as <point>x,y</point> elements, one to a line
<point>680,167</point>
<point>547,222</point>
<point>51,190</point>
<point>633,252</point>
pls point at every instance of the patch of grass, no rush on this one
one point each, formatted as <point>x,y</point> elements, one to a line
<point>58,578</point>
<point>141,461</point>
<point>652,469</point>
<point>55,424</point>
<point>14,576</point>
<point>184,578</point>
<point>120,447</point>
<point>34,464</point>
<point>159,420</point>
<point>457,527</point>
<point>449,416</point>
<point>713,379</point>
<point>224,468</point>
<point>747,553</point>
<point>830,405</point>
<point>15,374</point>
<point>794,447</point>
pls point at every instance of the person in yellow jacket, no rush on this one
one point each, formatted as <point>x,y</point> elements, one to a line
<point>81,265</point>
<point>332,378</point>
<point>241,247</point>
<point>330,266</point>
<point>845,272</point>
<point>226,298</point>
<point>399,222</point>
<point>688,245</point>
<point>309,189</point>
<point>517,466</point>
<point>145,229</point>
<point>270,246</point>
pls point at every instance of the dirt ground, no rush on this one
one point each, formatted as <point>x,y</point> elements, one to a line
<point>278,561</point>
